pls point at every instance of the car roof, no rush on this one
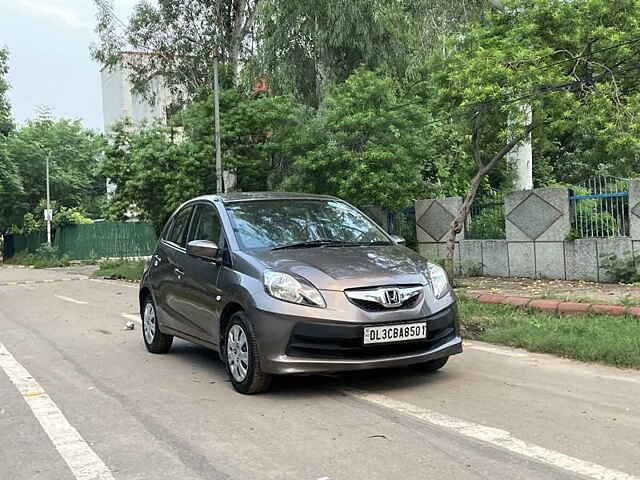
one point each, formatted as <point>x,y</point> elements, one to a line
<point>248,196</point>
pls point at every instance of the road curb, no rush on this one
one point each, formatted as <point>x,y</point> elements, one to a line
<point>557,306</point>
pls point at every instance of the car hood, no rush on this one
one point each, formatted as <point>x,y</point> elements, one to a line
<point>340,268</point>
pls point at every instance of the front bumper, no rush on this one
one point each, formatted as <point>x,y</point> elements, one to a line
<point>319,346</point>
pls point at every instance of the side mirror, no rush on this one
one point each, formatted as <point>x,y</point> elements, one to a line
<point>204,249</point>
<point>398,240</point>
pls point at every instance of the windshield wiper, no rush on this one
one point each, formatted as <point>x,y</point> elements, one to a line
<point>317,243</point>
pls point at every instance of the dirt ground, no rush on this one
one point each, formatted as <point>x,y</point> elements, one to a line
<point>577,291</point>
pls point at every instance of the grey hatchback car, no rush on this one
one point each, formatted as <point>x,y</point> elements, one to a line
<point>282,283</point>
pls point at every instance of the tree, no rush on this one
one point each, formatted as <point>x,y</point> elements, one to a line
<point>362,147</point>
<point>557,57</point>
<point>6,124</point>
<point>157,168</point>
<point>305,46</point>
<point>72,152</point>
<point>11,190</point>
<point>181,39</point>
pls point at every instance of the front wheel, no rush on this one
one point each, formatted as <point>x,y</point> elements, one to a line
<point>242,357</point>
<point>154,339</point>
<point>430,366</point>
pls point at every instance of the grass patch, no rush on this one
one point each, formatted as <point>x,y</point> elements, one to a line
<point>121,269</point>
<point>38,261</point>
<point>591,338</point>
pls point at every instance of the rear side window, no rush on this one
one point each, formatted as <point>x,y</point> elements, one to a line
<point>178,233</point>
<point>206,224</point>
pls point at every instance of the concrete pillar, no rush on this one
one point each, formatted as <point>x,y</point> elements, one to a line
<point>634,209</point>
<point>433,218</point>
<point>538,215</point>
<point>521,157</point>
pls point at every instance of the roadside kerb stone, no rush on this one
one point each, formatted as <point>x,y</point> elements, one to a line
<point>488,298</point>
<point>574,308</point>
<point>544,305</point>
<point>556,306</point>
<point>615,310</point>
<point>518,301</point>
<point>633,311</point>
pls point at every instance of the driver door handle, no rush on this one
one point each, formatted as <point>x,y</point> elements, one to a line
<point>179,272</point>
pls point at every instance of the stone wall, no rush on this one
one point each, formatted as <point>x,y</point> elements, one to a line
<point>537,225</point>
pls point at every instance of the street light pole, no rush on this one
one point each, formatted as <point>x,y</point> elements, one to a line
<point>216,114</point>
<point>48,206</point>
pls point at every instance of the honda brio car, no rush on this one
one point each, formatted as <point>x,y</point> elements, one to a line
<point>283,283</point>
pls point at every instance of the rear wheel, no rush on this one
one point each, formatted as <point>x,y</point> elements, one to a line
<point>154,339</point>
<point>243,358</point>
<point>430,366</point>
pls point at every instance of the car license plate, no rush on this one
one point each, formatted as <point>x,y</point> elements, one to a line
<point>395,333</point>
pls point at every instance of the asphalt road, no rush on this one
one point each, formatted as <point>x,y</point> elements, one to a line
<point>80,398</point>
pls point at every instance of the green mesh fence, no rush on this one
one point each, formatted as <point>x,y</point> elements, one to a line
<point>100,240</point>
<point>97,240</point>
<point>29,243</point>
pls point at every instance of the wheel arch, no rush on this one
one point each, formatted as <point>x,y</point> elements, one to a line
<point>229,310</point>
<point>142,295</point>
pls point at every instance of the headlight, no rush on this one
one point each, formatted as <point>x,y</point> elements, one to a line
<point>291,289</point>
<point>438,279</point>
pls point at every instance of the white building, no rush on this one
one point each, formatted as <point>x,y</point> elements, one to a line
<point>119,102</point>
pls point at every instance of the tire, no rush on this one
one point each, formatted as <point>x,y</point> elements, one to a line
<point>154,339</point>
<point>242,357</point>
<point>430,366</point>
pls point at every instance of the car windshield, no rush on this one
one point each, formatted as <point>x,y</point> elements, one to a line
<point>301,223</point>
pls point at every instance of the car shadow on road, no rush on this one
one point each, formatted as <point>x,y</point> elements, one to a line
<point>291,386</point>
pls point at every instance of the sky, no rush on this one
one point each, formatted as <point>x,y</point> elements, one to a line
<point>49,59</point>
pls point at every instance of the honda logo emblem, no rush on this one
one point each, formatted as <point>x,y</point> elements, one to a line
<point>391,297</point>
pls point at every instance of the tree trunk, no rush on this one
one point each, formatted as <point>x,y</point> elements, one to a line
<point>483,170</point>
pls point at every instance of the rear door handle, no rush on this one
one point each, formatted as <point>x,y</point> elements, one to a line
<point>179,272</point>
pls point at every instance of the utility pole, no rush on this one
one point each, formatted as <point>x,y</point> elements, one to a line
<point>216,113</point>
<point>48,213</point>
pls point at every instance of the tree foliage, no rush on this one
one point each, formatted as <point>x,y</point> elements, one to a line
<point>362,147</point>
<point>157,168</point>
<point>74,181</point>
<point>305,46</point>
<point>6,124</point>
<point>180,39</point>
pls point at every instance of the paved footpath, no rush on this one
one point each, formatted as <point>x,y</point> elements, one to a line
<point>80,398</point>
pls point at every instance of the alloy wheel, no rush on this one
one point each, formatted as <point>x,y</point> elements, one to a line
<point>238,353</point>
<point>149,323</point>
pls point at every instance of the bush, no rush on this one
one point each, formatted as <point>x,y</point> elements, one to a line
<point>624,269</point>
<point>45,256</point>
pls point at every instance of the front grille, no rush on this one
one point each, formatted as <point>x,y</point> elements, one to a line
<point>345,341</point>
<point>376,307</point>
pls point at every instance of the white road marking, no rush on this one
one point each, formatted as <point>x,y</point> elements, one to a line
<point>495,350</point>
<point>496,437</point>
<point>135,318</point>
<point>72,300</point>
<point>81,459</point>
<point>114,283</point>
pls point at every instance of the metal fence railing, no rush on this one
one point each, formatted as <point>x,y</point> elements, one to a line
<point>486,219</point>
<point>403,224</point>
<point>600,207</point>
